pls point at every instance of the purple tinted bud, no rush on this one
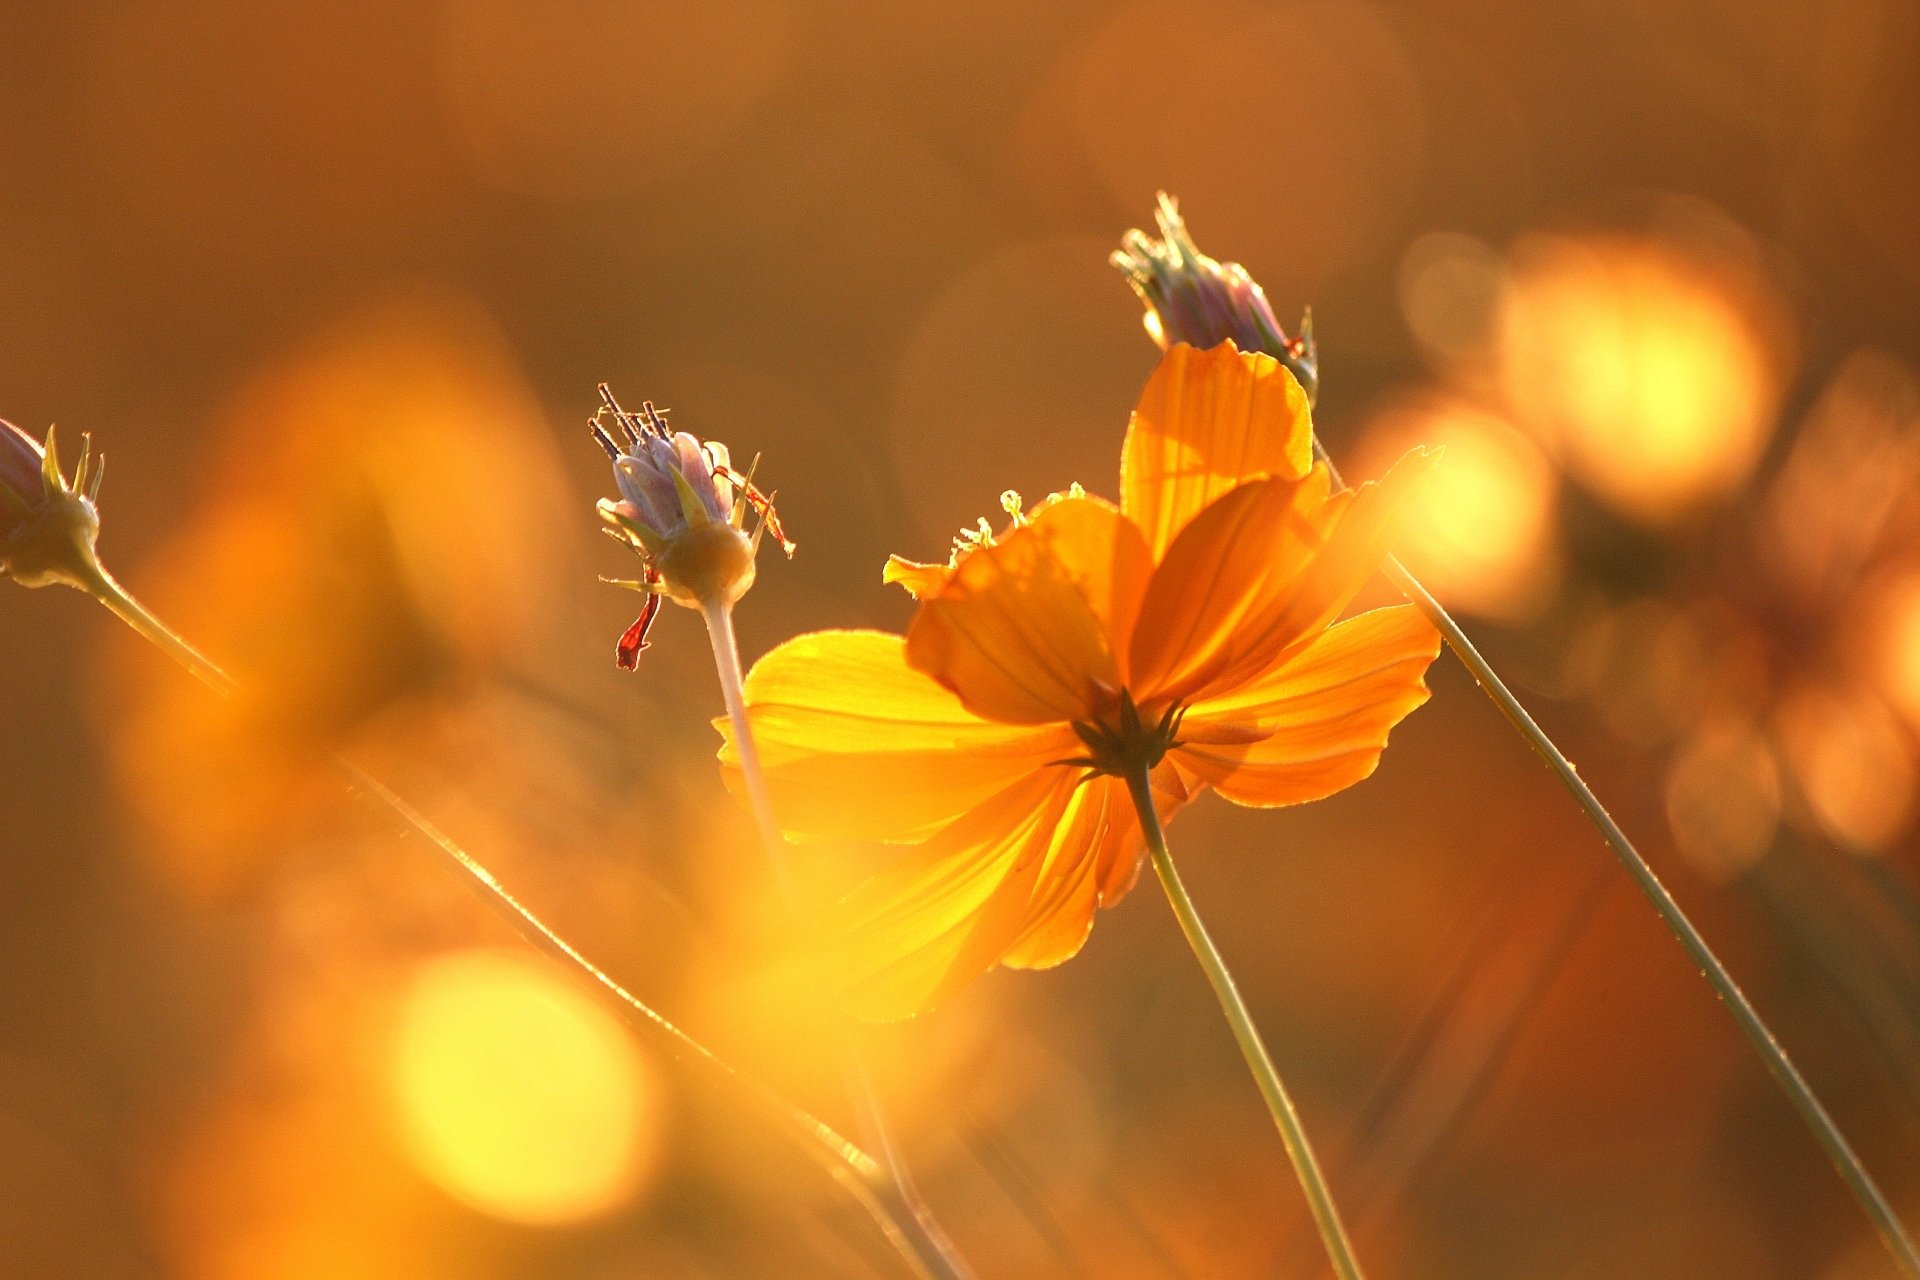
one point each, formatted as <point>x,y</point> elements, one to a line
<point>21,462</point>
<point>1194,299</point>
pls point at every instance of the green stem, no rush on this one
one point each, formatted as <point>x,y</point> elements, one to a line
<point>858,1173</point>
<point>105,588</point>
<point>936,1249</point>
<point>1319,1198</point>
<point>1785,1074</point>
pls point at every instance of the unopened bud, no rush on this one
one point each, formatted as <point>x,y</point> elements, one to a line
<point>683,509</point>
<point>1202,302</point>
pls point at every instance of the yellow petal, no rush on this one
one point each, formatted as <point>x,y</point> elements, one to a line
<point>1025,631</point>
<point>1319,723</point>
<point>1207,421</point>
<point>920,580</point>
<point>950,909</point>
<point>856,744</point>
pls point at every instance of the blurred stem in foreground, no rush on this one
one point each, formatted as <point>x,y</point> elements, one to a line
<point>1193,298</point>
<point>939,1252</point>
<point>49,537</point>
<point>1758,1034</point>
<point>1272,1091</point>
<point>683,512</point>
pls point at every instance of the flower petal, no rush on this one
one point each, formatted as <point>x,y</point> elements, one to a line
<point>1027,630</point>
<point>1066,894</point>
<point>1207,421</point>
<point>1225,567</point>
<point>1090,874</point>
<point>950,909</point>
<point>856,744</point>
<point>920,580</point>
<point>1359,525</point>
<point>1319,554</point>
<point>1319,723</point>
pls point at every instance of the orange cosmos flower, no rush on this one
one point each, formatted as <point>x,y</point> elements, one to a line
<point>1190,631</point>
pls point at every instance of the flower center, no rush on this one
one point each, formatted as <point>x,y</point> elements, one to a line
<point>1126,745</point>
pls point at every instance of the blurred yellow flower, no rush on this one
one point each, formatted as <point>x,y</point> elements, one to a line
<point>1190,630</point>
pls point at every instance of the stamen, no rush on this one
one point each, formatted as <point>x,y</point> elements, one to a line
<point>655,420</point>
<point>606,441</point>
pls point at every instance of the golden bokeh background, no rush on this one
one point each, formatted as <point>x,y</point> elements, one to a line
<point>334,286</point>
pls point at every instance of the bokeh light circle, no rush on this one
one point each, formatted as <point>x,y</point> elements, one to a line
<point>518,1095</point>
<point>1649,373</point>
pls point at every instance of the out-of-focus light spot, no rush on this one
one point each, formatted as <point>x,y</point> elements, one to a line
<point>1655,670</point>
<point>517,1094</point>
<point>1648,372</point>
<point>574,98</point>
<point>383,528</point>
<point>1449,290</point>
<point>1849,472</point>
<point>1723,798</point>
<point>1480,529</point>
<point>1852,765</point>
<point>1296,203</point>
<point>1896,644</point>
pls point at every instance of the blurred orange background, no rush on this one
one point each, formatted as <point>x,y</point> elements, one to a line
<point>334,285</point>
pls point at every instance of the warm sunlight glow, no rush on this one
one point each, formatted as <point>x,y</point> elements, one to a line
<point>517,1094</point>
<point>1723,798</point>
<point>1449,289</point>
<point>1853,766</point>
<point>1480,531</point>
<point>1641,368</point>
<point>1899,645</point>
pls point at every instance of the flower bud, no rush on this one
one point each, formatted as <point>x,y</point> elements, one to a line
<point>682,509</point>
<point>1194,299</point>
<point>48,524</point>
<point>22,491</point>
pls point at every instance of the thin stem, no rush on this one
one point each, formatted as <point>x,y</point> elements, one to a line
<point>852,1168</point>
<point>726,664</point>
<point>105,588</point>
<point>1785,1074</point>
<point>938,1251</point>
<point>1272,1091</point>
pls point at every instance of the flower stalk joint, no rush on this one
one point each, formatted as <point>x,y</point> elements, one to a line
<point>49,522</point>
<point>1129,745</point>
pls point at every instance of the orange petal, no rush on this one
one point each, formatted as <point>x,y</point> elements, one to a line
<point>951,908</point>
<point>1206,421</point>
<point>1225,567</point>
<point>1305,588</point>
<point>1322,718</point>
<point>856,744</point>
<point>1066,895</point>
<point>1108,863</point>
<point>920,580</point>
<point>1026,630</point>
<point>1357,538</point>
